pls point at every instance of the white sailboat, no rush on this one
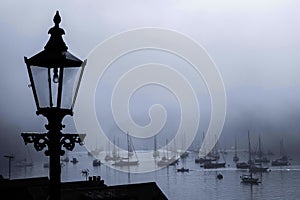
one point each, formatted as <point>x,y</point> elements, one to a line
<point>206,158</point>
<point>111,155</point>
<point>128,161</point>
<point>167,160</point>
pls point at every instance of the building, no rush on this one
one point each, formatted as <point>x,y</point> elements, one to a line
<point>92,189</point>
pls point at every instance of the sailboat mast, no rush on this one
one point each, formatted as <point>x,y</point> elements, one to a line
<point>235,148</point>
<point>167,148</point>
<point>235,157</point>
<point>282,153</point>
<point>203,142</point>
<point>114,153</point>
<point>118,153</point>
<point>259,147</point>
<point>155,145</point>
<point>128,145</point>
<point>108,148</point>
<point>249,146</point>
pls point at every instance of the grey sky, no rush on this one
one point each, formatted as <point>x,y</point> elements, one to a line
<point>255,45</point>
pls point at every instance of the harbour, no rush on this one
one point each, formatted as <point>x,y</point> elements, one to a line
<point>280,182</point>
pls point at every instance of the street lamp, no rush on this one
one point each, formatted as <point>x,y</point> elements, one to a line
<point>55,76</point>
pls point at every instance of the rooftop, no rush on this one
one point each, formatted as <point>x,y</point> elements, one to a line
<point>92,189</point>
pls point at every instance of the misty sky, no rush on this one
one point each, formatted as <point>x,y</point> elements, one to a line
<point>255,44</point>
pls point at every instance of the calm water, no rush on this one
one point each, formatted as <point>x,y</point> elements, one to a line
<point>279,183</point>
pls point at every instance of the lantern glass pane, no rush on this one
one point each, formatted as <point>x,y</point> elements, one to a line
<point>40,79</point>
<point>70,82</point>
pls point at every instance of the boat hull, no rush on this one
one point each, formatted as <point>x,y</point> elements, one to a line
<point>279,163</point>
<point>125,163</point>
<point>258,169</point>
<point>214,165</point>
<point>242,166</point>
<point>249,179</point>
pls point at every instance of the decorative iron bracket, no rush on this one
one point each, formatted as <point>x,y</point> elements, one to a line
<point>69,140</point>
<point>41,140</point>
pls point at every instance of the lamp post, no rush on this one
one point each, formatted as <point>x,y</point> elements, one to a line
<point>55,76</point>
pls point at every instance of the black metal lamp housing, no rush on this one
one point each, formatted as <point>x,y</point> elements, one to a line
<point>55,74</point>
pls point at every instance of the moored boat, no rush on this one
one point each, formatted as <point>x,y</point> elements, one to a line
<point>128,161</point>
<point>96,162</point>
<point>242,165</point>
<point>261,156</point>
<point>214,165</point>
<point>248,178</point>
<point>235,157</point>
<point>280,162</point>
<point>283,160</point>
<point>74,160</point>
<point>125,162</point>
<point>182,169</point>
<point>258,168</point>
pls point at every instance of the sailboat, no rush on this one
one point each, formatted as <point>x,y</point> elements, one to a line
<point>214,153</point>
<point>108,155</point>
<point>206,158</point>
<point>283,160</point>
<point>235,157</point>
<point>245,165</point>
<point>249,179</point>
<point>128,160</point>
<point>253,167</point>
<point>166,160</point>
<point>214,164</point>
<point>242,165</point>
<point>183,154</point>
<point>261,158</point>
<point>130,147</point>
<point>114,156</point>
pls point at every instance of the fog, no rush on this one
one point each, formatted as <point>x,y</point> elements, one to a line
<point>254,44</point>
